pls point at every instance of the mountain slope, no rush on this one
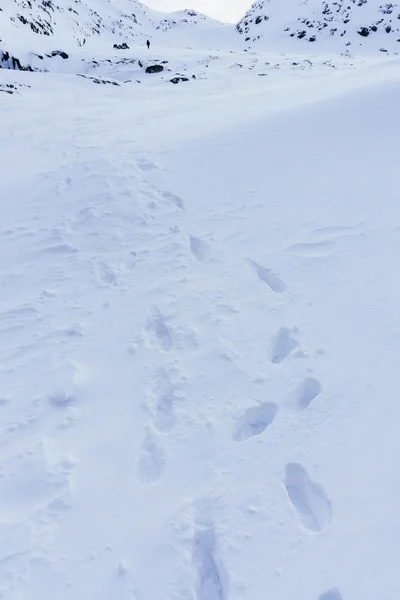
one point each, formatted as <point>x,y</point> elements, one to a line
<point>43,24</point>
<point>338,24</point>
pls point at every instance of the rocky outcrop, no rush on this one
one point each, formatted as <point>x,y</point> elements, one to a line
<point>176,80</point>
<point>123,46</point>
<point>340,23</point>
<point>61,53</point>
<point>154,69</point>
<point>7,61</point>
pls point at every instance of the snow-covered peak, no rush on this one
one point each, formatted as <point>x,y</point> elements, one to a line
<point>371,24</point>
<point>39,24</point>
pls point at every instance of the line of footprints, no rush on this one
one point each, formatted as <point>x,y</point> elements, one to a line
<point>307,497</point>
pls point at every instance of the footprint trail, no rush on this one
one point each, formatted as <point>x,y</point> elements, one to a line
<point>271,278</point>
<point>308,498</point>
<point>255,421</point>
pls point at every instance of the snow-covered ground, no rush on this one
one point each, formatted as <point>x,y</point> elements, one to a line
<point>199,324</point>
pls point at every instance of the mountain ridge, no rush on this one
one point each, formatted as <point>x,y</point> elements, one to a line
<point>25,22</point>
<point>335,26</point>
<point>341,24</point>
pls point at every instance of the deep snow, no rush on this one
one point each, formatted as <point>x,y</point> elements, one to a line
<point>200,333</point>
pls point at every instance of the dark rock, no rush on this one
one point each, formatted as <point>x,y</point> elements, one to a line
<point>364,32</point>
<point>312,38</point>
<point>8,88</point>
<point>98,80</point>
<point>155,69</point>
<point>61,53</point>
<point>374,28</point>
<point>176,80</point>
<point>301,34</point>
<point>11,62</point>
<point>16,65</point>
<point>123,46</point>
<point>140,64</point>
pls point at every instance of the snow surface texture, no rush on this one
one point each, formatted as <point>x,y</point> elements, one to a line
<point>347,24</point>
<point>199,322</point>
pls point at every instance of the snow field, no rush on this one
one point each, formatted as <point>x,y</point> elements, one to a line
<point>199,316</point>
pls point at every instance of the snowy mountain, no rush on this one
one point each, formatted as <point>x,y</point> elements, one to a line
<point>41,26</point>
<point>341,24</point>
<point>32,28</point>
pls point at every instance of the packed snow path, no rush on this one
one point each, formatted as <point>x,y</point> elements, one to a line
<point>200,339</point>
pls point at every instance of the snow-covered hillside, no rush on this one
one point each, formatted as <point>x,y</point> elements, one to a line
<point>42,26</point>
<point>34,31</point>
<point>199,317</point>
<point>341,24</point>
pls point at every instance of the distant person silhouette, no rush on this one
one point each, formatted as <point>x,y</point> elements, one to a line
<point>148,44</point>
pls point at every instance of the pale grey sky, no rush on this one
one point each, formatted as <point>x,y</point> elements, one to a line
<point>225,10</point>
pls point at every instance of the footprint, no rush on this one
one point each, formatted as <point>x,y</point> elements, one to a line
<point>282,345</point>
<point>174,199</point>
<point>64,185</point>
<point>254,421</point>
<point>331,595</point>
<point>151,460</point>
<point>306,393</point>
<point>86,217</point>
<point>198,248</point>
<point>209,584</point>
<point>308,498</point>
<point>269,277</point>
<point>130,261</point>
<point>164,417</point>
<point>146,165</point>
<point>61,399</point>
<point>156,324</point>
<point>106,274</point>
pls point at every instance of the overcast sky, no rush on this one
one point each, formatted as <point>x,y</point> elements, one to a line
<point>225,10</point>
